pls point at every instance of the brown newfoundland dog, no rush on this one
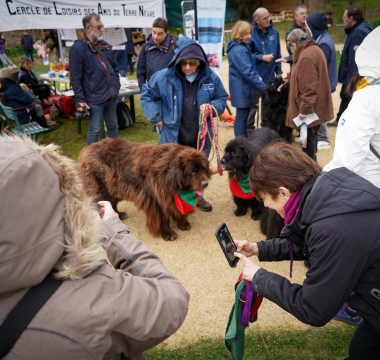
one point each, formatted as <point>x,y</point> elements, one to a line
<point>148,175</point>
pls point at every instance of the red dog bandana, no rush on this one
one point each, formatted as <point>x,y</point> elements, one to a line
<point>241,188</point>
<point>186,201</point>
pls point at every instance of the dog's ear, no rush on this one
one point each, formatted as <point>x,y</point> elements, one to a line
<point>174,174</point>
<point>270,85</point>
<point>247,158</point>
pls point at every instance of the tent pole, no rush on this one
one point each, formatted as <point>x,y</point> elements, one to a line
<point>60,47</point>
<point>196,20</point>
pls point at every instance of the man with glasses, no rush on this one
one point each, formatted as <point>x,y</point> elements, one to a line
<point>94,76</point>
<point>265,45</point>
<point>356,30</point>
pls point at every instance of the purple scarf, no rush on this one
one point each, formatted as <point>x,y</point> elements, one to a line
<point>291,209</point>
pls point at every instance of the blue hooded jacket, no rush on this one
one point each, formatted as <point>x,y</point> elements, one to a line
<point>165,86</point>
<point>317,24</point>
<point>243,76</point>
<point>355,36</point>
<point>16,97</point>
<point>266,44</point>
<point>154,58</point>
<point>94,79</point>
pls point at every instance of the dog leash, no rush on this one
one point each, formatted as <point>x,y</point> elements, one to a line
<point>203,132</point>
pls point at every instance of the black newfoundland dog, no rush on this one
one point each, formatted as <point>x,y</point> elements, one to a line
<point>239,156</point>
<point>276,101</point>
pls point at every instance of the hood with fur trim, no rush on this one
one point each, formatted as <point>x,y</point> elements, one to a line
<point>47,219</point>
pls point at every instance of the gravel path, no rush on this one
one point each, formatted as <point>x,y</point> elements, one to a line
<point>198,262</point>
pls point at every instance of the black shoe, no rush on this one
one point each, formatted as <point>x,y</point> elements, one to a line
<point>204,205</point>
<point>333,123</point>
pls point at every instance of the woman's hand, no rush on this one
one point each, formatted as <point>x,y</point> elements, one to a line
<point>250,267</point>
<point>280,60</point>
<point>285,78</point>
<point>107,210</point>
<point>302,117</point>
<point>160,124</point>
<point>202,107</point>
<point>246,248</point>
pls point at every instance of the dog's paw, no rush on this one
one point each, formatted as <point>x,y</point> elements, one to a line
<point>169,236</point>
<point>255,216</point>
<point>240,212</point>
<point>184,225</point>
<point>123,215</point>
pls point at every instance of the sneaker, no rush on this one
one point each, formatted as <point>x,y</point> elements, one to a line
<point>204,205</point>
<point>297,139</point>
<point>323,145</point>
<point>333,123</point>
<point>348,315</point>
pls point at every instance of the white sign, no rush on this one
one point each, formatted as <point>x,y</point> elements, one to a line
<point>211,15</point>
<point>68,14</point>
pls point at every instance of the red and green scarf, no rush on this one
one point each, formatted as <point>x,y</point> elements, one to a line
<point>241,188</point>
<point>186,201</point>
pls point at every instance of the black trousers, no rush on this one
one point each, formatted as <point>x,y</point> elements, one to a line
<point>365,345</point>
<point>312,142</point>
<point>252,114</point>
<point>345,100</point>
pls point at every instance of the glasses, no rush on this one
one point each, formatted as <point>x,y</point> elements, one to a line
<point>98,27</point>
<point>190,63</point>
<point>266,18</point>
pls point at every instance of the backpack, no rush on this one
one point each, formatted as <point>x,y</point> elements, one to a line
<point>124,116</point>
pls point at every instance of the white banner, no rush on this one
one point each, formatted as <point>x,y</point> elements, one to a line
<point>210,29</point>
<point>68,14</point>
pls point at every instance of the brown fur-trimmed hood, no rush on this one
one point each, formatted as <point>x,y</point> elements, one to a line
<point>47,219</point>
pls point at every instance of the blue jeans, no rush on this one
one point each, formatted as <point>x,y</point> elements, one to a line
<point>29,52</point>
<point>130,64</point>
<point>240,126</point>
<point>123,73</point>
<point>106,110</point>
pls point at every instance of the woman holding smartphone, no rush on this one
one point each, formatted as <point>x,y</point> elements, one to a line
<point>331,219</point>
<point>243,77</point>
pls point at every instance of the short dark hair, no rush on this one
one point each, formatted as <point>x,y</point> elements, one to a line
<point>24,60</point>
<point>356,12</point>
<point>161,23</point>
<point>86,21</point>
<point>46,30</point>
<point>328,12</point>
<point>281,165</point>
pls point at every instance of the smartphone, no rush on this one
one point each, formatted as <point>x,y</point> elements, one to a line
<point>227,244</point>
<point>98,208</point>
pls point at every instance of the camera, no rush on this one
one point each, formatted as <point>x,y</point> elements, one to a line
<point>84,114</point>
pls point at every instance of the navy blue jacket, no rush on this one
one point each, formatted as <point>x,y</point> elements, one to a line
<point>337,228</point>
<point>266,44</point>
<point>27,42</point>
<point>317,24</point>
<point>122,55</point>
<point>355,36</point>
<point>165,86</point>
<point>289,59</point>
<point>94,79</point>
<point>154,59</point>
<point>16,97</point>
<point>243,77</point>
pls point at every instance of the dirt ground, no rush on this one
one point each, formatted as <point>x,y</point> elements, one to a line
<point>198,262</point>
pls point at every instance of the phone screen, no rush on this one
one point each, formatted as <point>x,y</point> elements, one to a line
<point>227,242</point>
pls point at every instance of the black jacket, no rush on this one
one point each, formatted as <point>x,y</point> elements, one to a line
<point>54,37</point>
<point>27,42</point>
<point>154,58</point>
<point>338,228</point>
<point>289,59</point>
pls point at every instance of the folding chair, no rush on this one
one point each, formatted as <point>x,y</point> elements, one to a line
<point>33,129</point>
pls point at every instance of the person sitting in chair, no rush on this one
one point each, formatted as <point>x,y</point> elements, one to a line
<point>28,77</point>
<point>16,97</point>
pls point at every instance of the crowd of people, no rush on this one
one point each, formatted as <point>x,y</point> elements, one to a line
<point>330,215</point>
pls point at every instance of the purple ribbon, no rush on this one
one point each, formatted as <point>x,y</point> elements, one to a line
<point>291,257</point>
<point>247,293</point>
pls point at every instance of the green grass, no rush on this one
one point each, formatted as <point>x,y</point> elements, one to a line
<point>330,342</point>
